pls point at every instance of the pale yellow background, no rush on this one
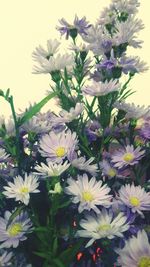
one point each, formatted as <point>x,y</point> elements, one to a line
<point>24,24</point>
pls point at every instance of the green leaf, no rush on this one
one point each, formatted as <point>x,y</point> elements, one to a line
<point>58,263</point>
<point>1,93</point>
<point>65,204</point>
<point>55,246</point>
<point>35,109</point>
<point>68,255</point>
<point>7,94</point>
<point>41,229</point>
<point>44,255</point>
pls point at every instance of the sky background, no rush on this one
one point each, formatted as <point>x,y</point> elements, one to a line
<point>24,24</point>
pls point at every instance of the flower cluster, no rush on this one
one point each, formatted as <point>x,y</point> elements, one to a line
<point>74,188</point>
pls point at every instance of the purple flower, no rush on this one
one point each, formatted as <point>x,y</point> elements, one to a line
<point>136,251</point>
<point>106,45</point>
<point>127,156</point>
<point>134,197</point>
<point>11,234</point>
<point>132,64</point>
<point>79,26</point>
<point>145,132</point>
<point>58,146</point>
<point>92,130</point>
<point>107,64</point>
<point>108,169</point>
<point>121,130</point>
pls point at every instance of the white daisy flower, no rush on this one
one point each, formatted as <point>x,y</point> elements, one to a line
<point>52,48</point>
<point>57,147</point>
<point>3,155</point>
<point>129,6</point>
<point>127,32</point>
<point>108,16</point>
<point>134,197</point>
<point>133,111</point>
<point>73,114</point>
<point>79,48</point>
<point>82,164</point>
<point>21,188</point>
<point>103,225</point>
<point>101,88</point>
<point>136,252</point>
<point>88,193</point>
<point>41,123</point>
<point>103,43</point>
<point>51,169</point>
<point>132,64</point>
<point>54,63</point>
<point>93,34</point>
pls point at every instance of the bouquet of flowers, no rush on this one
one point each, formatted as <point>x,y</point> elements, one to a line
<point>74,185</point>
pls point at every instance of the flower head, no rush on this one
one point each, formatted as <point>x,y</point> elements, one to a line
<point>101,88</point>
<point>93,130</point>
<point>132,64</point>
<point>11,234</point>
<point>82,164</point>
<point>66,117</point>
<point>88,193</point>
<point>51,169</point>
<point>127,156</point>
<point>132,111</point>
<point>21,188</point>
<point>79,26</point>
<point>134,197</point>
<point>128,6</point>
<point>52,48</point>
<point>5,258</point>
<point>55,63</point>
<point>108,169</point>
<point>3,155</point>
<point>145,132</point>
<point>136,252</point>
<point>100,42</point>
<point>103,225</point>
<point>58,146</point>
<point>127,32</point>
<point>40,124</point>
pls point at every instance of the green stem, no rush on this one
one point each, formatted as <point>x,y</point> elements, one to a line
<point>16,130</point>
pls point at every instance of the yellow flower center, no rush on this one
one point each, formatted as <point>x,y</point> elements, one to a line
<point>112,172</point>
<point>24,189</point>
<point>128,157</point>
<point>104,227</point>
<point>144,262</point>
<point>87,196</point>
<point>134,201</point>
<point>60,151</point>
<point>15,229</point>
